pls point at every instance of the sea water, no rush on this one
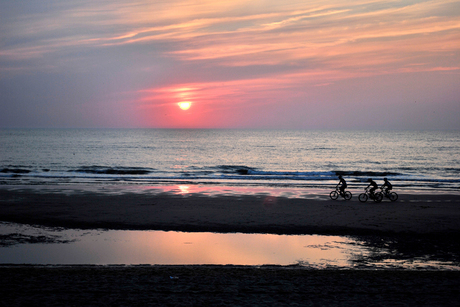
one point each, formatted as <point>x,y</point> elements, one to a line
<point>427,160</point>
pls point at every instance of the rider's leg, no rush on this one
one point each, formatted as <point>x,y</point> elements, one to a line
<point>371,191</point>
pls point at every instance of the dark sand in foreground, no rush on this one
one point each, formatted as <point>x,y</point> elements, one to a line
<point>223,286</point>
<point>427,222</point>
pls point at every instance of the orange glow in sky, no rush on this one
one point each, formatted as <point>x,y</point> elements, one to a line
<point>264,64</point>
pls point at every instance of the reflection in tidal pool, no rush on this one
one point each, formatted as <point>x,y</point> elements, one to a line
<point>53,246</point>
<point>160,247</point>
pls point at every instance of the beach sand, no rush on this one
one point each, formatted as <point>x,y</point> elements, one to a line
<point>223,286</point>
<point>417,224</point>
<point>122,208</point>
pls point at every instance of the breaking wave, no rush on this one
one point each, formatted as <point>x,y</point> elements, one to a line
<point>228,174</point>
<point>113,170</point>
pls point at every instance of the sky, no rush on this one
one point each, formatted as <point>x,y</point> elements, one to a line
<point>326,64</point>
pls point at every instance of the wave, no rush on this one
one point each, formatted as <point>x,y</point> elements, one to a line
<point>15,171</point>
<point>235,169</point>
<point>215,172</point>
<point>246,170</point>
<point>120,170</point>
<point>366,173</point>
<point>228,174</point>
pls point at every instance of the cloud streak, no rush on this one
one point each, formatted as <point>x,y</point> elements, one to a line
<point>229,53</point>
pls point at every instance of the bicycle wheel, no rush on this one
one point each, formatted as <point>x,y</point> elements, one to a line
<point>347,195</point>
<point>378,197</point>
<point>393,196</point>
<point>334,195</point>
<point>363,197</point>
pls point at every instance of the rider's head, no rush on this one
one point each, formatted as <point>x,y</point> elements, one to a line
<point>384,179</point>
<point>340,176</point>
<point>370,179</point>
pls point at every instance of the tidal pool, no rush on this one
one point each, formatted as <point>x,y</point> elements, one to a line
<point>23,244</point>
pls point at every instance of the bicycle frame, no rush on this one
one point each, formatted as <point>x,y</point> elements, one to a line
<point>335,194</point>
<point>363,197</point>
<point>393,196</point>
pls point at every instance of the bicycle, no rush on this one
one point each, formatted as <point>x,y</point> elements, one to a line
<point>393,196</point>
<point>377,197</point>
<point>335,194</point>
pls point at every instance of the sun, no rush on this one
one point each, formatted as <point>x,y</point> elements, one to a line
<point>184,105</point>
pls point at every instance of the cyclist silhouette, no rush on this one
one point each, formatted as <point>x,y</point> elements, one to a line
<point>374,186</point>
<point>387,186</point>
<point>343,185</point>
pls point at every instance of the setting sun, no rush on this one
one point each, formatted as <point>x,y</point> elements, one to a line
<point>185,105</point>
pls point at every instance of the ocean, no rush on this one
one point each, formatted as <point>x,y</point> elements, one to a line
<point>189,161</point>
<point>424,160</point>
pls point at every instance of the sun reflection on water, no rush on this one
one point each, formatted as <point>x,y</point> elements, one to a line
<point>162,247</point>
<point>184,189</point>
<point>72,246</point>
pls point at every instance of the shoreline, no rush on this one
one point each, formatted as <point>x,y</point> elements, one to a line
<point>221,209</point>
<point>214,189</point>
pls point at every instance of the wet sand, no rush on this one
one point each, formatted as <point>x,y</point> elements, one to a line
<point>416,221</point>
<point>75,207</point>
